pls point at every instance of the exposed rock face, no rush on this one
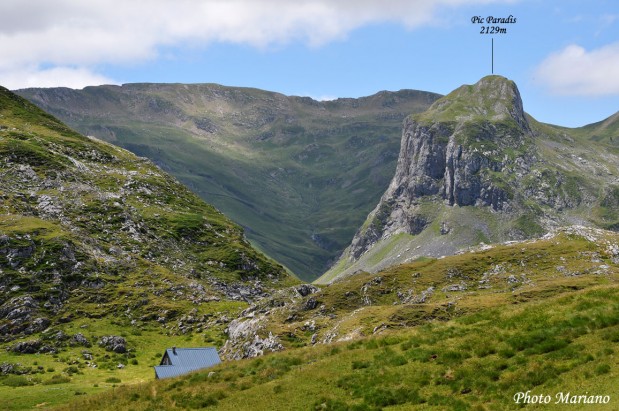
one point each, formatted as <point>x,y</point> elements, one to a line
<point>475,168</point>
<point>18,313</point>
<point>245,342</point>
<point>451,156</point>
<point>248,336</point>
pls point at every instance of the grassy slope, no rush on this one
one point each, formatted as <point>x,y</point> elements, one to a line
<point>358,305</point>
<point>298,174</point>
<point>539,315</point>
<point>104,243</point>
<point>110,187</point>
<point>606,131</point>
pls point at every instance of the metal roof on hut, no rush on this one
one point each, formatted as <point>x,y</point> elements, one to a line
<point>179,361</point>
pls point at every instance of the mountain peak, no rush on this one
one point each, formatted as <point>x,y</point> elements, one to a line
<point>459,160</point>
<point>493,98</point>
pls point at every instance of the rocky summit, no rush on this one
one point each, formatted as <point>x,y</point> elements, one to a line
<point>475,168</point>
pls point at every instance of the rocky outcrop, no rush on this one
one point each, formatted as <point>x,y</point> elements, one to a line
<point>114,343</point>
<point>79,339</point>
<point>244,340</point>
<point>19,315</point>
<point>27,347</point>
<point>454,153</point>
<point>248,335</point>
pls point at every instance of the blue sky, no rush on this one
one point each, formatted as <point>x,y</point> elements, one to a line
<point>563,54</point>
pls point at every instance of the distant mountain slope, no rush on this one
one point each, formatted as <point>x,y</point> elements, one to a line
<point>89,230</point>
<point>604,132</point>
<point>300,175</point>
<point>475,168</point>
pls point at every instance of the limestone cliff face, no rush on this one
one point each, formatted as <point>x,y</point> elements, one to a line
<point>474,168</point>
<point>455,153</point>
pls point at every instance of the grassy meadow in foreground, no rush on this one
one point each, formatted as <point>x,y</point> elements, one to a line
<point>478,362</point>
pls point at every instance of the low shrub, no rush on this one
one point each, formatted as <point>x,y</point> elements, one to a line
<point>357,365</point>
<point>57,379</point>
<point>602,369</point>
<point>16,381</point>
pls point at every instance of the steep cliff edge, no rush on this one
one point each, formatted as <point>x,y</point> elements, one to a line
<point>474,168</point>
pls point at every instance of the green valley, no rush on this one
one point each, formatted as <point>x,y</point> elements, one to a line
<point>299,175</point>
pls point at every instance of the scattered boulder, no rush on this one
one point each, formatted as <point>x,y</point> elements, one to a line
<point>306,289</point>
<point>114,343</point>
<point>37,325</point>
<point>60,336</point>
<point>13,368</point>
<point>8,368</point>
<point>309,326</point>
<point>27,347</point>
<point>455,287</point>
<point>79,339</point>
<point>310,304</point>
<point>48,349</point>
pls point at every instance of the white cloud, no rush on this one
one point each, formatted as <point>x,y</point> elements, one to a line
<point>77,33</point>
<point>576,71</point>
<point>72,77</point>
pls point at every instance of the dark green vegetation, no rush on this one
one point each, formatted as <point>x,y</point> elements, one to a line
<point>96,242</point>
<point>298,174</point>
<point>539,315</point>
